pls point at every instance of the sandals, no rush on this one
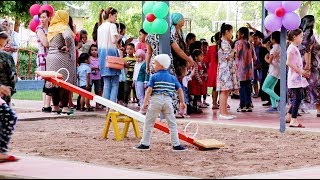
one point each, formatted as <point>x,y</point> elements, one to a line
<point>10,158</point>
<point>297,126</point>
<point>67,112</point>
<point>56,112</point>
<point>90,109</point>
<point>179,116</point>
<point>215,107</point>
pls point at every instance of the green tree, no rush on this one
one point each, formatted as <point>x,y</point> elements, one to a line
<point>314,10</point>
<point>18,10</point>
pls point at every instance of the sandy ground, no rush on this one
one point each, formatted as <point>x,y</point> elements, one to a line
<point>247,150</point>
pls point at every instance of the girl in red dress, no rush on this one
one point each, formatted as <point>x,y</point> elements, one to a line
<point>211,61</point>
<point>197,86</point>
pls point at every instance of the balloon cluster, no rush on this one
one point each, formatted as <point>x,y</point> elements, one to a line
<point>34,11</point>
<point>155,13</point>
<point>281,14</point>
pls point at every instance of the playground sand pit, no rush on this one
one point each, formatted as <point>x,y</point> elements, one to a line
<point>247,150</point>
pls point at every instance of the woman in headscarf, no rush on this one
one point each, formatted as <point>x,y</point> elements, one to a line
<point>177,49</point>
<point>179,62</point>
<point>61,54</point>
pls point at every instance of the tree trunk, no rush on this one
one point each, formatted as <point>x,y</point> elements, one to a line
<point>304,9</point>
<point>16,25</point>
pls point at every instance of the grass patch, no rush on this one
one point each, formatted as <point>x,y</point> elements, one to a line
<point>35,95</point>
<point>28,95</point>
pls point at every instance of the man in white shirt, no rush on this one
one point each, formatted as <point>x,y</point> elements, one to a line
<point>13,42</point>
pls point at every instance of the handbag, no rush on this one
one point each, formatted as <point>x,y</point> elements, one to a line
<point>114,62</point>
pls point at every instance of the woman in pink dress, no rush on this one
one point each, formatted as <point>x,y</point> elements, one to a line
<point>43,44</point>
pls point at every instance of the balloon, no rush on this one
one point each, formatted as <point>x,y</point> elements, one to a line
<point>160,26</point>
<point>49,8</point>
<point>271,6</point>
<point>147,26</point>
<point>291,21</point>
<point>150,17</point>
<point>36,18</point>
<point>280,11</point>
<point>34,9</point>
<point>272,22</point>
<point>160,9</point>
<point>33,25</point>
<point>291,5</point>
<point>147,7</point>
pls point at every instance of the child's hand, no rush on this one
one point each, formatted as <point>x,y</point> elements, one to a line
<point>192,72</point>
<point>145,85</point>
<point>306,73</point>
<point>148,70</point>
<point>144,107</point>
<point>229,57</point>
<point>5,90</point>
<point>65,49</point>
<point>183,105</point>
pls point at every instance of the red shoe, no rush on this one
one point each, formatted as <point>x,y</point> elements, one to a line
<point>10,158</point>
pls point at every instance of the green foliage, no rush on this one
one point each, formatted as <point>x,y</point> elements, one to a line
<point>129,13</point>
<point>24,58</point>
<point>314,10</point>
<point>17,9</point>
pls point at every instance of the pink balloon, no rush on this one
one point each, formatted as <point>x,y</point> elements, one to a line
<point>34,9</point>
<point>36,18</point>
<point>291,21</point>
<point>272,22</point>
<point>33,25</point>
<point>49,8</point>
<point>271,6</point>
<point>291,5</point>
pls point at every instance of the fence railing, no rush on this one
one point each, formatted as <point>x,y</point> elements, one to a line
<point>25,74</point>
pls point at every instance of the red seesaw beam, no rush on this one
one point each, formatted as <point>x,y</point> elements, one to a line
<point>71,87</point>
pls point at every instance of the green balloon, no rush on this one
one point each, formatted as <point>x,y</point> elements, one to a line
<point>160,9</point>
<point>147,7</point>
<point>159,26</point>
<point>147,26</point>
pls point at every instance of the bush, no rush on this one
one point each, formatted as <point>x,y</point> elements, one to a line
<point>24,58</point>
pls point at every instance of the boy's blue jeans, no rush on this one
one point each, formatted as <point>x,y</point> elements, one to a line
<point>160,103</point>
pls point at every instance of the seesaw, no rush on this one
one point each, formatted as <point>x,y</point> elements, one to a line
<point>56,78</point>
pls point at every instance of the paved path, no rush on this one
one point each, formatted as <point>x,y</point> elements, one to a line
<point>303,173</point>
<point>44,168</point>
<point>38,167</point>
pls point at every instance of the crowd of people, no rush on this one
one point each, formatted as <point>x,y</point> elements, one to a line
<point>244,67</point>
